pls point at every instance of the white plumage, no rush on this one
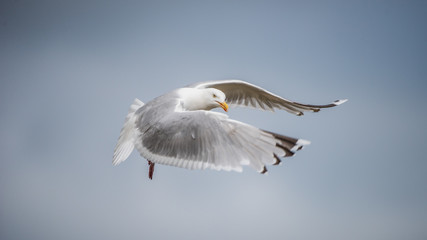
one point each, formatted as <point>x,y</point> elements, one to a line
<point>178,129</point>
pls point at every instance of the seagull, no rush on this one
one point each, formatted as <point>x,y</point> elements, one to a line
<point>178,128</point>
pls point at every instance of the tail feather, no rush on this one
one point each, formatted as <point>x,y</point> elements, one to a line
<point>127,138</point>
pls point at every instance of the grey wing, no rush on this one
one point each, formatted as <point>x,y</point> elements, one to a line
<point>201,139</point>
<point>242,93</point>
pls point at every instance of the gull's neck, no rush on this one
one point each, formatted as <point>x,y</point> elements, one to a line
<point>192,99</point>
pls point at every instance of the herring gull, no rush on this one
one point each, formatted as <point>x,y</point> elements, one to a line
<point>178,129</point>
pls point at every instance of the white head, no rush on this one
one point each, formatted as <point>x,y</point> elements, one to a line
<point>202,99</point>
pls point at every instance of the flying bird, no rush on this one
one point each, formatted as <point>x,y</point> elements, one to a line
<point>178,128</point>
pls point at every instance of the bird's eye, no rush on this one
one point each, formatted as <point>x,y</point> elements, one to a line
<point>214,95</point>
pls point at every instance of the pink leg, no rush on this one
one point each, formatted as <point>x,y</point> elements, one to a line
<point>151,169</point>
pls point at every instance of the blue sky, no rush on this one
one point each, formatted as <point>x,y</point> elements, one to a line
<point>69,71</point>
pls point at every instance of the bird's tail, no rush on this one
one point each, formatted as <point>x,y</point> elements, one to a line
<point>127,138</point>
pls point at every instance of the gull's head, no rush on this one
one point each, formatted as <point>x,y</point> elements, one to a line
<point>216,98</point>
<point>202,99</point>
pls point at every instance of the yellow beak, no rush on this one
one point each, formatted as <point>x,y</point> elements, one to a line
<point>223,105</point>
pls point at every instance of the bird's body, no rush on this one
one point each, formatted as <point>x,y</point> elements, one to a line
<point>178,129</point>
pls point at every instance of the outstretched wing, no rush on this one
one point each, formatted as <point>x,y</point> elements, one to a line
<point>203,139</point>
<point>242,93</point>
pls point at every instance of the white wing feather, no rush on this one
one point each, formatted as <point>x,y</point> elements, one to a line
<point>203,139</point>
<point>241,93</point>
<point>127,138</point>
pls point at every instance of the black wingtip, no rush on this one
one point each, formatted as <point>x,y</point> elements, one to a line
<point>288,153</point>
<point>278,161</point>
<point>264,170</point>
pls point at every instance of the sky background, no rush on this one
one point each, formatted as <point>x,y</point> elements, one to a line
<point>70,69</point>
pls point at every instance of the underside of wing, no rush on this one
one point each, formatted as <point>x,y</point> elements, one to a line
<point>200,139</point>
